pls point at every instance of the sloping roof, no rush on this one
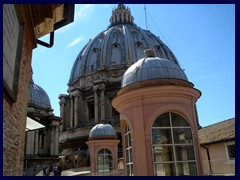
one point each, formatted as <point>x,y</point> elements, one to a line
<point>222,131</point>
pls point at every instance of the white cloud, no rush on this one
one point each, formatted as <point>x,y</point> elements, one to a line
<point>83,12</point>
<point>64,28</point>
<point>81,15</point>
<point>74,42</point>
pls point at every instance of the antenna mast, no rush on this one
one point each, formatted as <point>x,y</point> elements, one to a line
<point>145,16</point>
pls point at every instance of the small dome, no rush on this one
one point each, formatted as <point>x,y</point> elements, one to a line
<point>152,67</point>
<point>38,97</point>
<point>101,131</point>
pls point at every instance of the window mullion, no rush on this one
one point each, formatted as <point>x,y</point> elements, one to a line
<point>173,144</point>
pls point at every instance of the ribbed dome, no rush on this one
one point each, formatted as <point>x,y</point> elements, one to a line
<point>102,131</point>
<point>119,46</point>
<point>152,67</point>
<point>38,97</point>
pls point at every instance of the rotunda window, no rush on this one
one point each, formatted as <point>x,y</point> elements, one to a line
<point>172,146</point>
<point>128,151</point>
<point>104,162</point>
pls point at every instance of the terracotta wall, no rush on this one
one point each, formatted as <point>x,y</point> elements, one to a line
<point>140,108</point>
<point>218,160</point>
<point>96,145</point>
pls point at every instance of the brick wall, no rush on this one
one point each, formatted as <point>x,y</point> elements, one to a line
<point>14,115</point>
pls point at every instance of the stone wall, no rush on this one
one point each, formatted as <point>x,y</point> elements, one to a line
<point>14,117</point>
<point>15,113</point>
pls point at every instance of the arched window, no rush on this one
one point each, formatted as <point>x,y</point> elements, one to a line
<point>128,151</point>
<point>116,54</point>
<point>104,162</point>
<point>172,146</point>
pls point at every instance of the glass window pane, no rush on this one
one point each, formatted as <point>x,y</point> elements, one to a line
<point>128,169</point>
<point>182,135</point>
<point>129,140</point>
<point>130,155</point>
<point>231,151</point>
<point>166,169</point>
<point>161,136</point>
<point>172,146</point>
<point>163,153</point>
<point>162,121</point>
<point>185,153</point>
<point>131,168</point>
<point>104,161</point>
<point>127,156</point>
<point>187,169</point>
<point>126,141</point>
<point>178,121</point>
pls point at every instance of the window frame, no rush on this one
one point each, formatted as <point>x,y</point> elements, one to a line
<point>229,160</point>
<point>173,145</point>
<point>128,151</point>
<point>11,88</point>
<point>106,152</point>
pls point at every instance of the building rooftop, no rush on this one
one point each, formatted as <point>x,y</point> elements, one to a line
<point>219,132</point>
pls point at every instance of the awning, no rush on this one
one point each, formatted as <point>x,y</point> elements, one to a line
<point>33,124</point>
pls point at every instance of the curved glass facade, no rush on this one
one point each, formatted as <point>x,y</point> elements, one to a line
<point>172,146</point>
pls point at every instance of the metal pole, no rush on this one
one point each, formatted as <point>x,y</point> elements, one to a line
<point>145,16</point>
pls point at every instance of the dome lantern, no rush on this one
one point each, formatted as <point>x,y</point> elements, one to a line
<point>121,15</point>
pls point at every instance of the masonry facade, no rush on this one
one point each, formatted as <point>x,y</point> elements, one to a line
<point>22,25</point>
<point>96,77</point>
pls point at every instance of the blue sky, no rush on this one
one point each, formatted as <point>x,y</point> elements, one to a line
<point>202,37</point>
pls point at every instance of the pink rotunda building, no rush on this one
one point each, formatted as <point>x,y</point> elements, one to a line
<point>158,118</point>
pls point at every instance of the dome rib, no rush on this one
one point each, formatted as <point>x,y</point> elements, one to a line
<point>128,46</point>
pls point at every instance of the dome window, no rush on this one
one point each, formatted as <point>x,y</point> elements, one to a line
<point>95,50</point>
<point>138,44</point>
<point>115,45</point>
<point>133,30</point>
<point>149,33</point>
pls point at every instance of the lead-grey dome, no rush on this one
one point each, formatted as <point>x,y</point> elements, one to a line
<point>115,48</point>
<point>102,131</point>
<point>38,97</point>
<point>152,67</point>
